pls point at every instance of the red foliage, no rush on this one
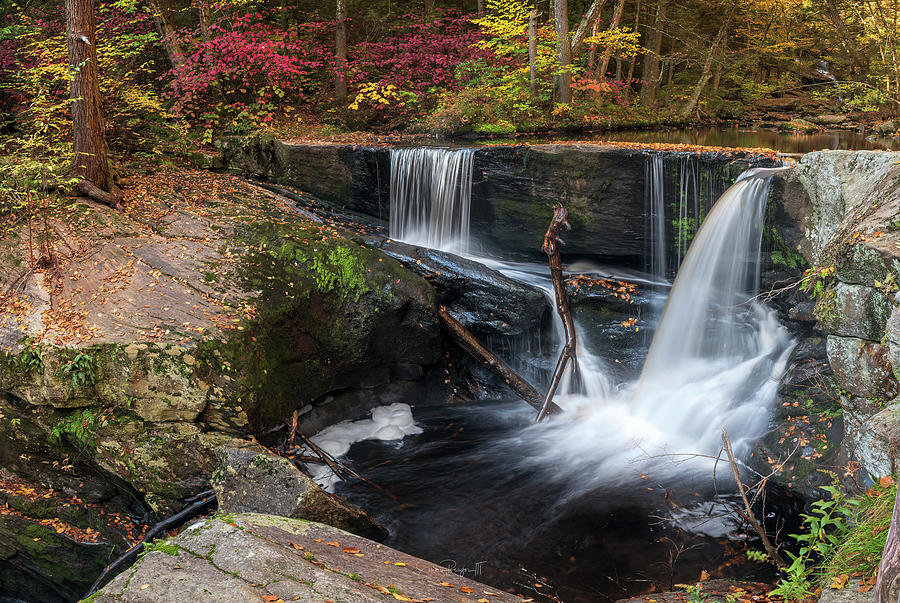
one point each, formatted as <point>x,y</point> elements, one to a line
<point>249,61</point>
<point>418,54</point>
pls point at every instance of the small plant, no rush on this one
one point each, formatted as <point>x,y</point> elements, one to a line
<point>30,359</point>
<point>81,427</point>
<point>694,592</point>
<point>824,531</point>
<point>757,556</point>
<point>80,370</point>
<point>815,281</point>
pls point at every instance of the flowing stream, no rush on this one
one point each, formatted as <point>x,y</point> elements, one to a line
<point>594,502</point>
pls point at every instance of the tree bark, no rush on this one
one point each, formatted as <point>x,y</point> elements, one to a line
<point>160,14</point>
<point>552,243</point>
<point>887,588</point>
<point>607,54</point>
<point>563,57</point>
<point>587,21</point>
<point>470,344</point>
<point>340,53</point>
<point>706,73</point>
<point>631,64</point>
<point>90,162</point>
<point>203,11</point>
<point>650,73</point>
<point>480,6</point>
<point>532,51</point>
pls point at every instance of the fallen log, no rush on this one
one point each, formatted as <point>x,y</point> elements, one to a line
<point>552,243</point>
<point>112,199</point>
<point>196,504</point>
<point>470,343</point>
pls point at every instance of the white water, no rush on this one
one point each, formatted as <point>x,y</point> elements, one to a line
<point>714,365</point>
<point>431,193</point>
<point>388,423</point>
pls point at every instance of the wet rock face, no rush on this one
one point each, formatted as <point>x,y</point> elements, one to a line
<point>514,189</point>
<point>249,557</point>
<point>253,481</point>
<point>484,300</point>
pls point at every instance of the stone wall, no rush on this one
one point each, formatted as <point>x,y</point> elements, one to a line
<point>843,213</point>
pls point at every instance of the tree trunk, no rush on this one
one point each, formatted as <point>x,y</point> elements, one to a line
<point>589,19</point>
<point>564,60</point>
<point>631,64</point>
<point>90,141</point>
<point>167,35</point>
<point>203,10</point>
<point>706,74</point>
<point>340,53</point>
<point>532,51</point>
<point>607,54</point>
<point>592,54</point>
<point>887,588</point>
<point>480,6</point>
<point>650,73</point>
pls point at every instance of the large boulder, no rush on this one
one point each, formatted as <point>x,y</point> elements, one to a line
<point>253,481</point>
<point>204,313</point>
<point>249,557</point>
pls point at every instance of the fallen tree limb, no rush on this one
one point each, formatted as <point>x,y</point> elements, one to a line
<point>112,199</point>
<point>747,512</point>
<point>195,506</point>
<point>552,242</point>
<point>470,343</point>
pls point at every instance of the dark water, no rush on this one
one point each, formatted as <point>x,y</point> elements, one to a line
<point>455,496</point>
<point>785,142</point>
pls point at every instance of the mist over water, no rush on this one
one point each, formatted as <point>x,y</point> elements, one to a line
<point>714,364</point>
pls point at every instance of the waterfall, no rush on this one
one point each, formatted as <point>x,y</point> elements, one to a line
<point>678,194</point>
<point>431,193</point>
<point>655,220</point>
<point>714,364</point>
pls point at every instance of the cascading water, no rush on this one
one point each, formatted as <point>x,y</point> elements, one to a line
<point>431,192</point>
<point>714,364</point>
<point>679,192</point>
<point>654,200</point>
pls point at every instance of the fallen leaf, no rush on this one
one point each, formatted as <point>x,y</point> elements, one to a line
<point>296,546</point>
<point>400,564</point>
<point>447,584</point>
<point>465,589</point>
<point>143,586</point>
<point>332,544</point>
<point>350,550</point>
<point>839,582</point>
<point>401,597</point>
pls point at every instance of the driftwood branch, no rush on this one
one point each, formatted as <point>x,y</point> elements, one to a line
<point>195,505</point>
<point>112,199</point>
<point>747,512</point>
<point>470,343</point>
<point>552,243</point>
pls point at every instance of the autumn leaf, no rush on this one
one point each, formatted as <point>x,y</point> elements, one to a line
<point>400,597</point>
<point>400,564</point>
<point>465,589</point>
<point>447,584</point>
<point>350,550</point>
<point>296,546</point>
<point>839,582</point>
<point>335,544</point>
<point>886,481</point>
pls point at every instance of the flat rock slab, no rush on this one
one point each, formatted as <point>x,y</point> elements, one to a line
<point>254,557</point>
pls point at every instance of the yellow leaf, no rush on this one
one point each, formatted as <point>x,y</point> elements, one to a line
<point>839,582</point>
<point>400,564</point>
<point>447,584</point>
<point>401,597</point>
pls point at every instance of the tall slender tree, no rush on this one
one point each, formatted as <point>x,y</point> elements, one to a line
<point>91,162</point>
<point>563,52</point>
<point>340,53</point>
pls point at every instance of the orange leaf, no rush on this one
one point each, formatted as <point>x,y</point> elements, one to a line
<point>296,546</point>
<point>465,589</point>
<point>447,584</point>
<point>332,544</point>
<point>839,582</point>
<point>886,481</point>
<point>351,550</point>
